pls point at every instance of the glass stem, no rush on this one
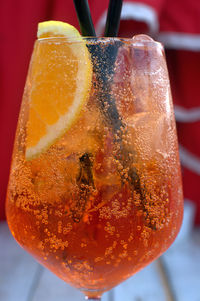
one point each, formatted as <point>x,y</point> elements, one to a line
<point>92,299</point>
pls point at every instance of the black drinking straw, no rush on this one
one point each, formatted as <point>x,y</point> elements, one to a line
<point>84,18</point>
<point>104,66</point>
<point>112,115</point>
<point>113,18</point>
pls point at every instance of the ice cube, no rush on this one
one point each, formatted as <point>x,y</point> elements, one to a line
<point>150,135</point>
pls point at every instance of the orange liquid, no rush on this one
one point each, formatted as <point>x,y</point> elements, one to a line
<point>92,236</point>
<point>98,206</point>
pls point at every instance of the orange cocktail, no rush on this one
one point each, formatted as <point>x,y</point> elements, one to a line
<point>95,187</point>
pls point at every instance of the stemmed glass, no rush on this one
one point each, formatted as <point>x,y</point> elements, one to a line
<point>104,199</point>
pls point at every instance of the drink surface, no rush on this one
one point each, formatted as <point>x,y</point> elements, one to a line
<point>104,199</point>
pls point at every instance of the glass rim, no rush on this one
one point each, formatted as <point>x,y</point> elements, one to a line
<point>135,41</point>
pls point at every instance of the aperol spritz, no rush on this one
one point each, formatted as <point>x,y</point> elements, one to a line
<point>95,187</point>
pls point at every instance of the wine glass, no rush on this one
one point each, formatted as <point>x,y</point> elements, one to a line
<point>104,199</point>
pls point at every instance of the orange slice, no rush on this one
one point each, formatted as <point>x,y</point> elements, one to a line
<point>60,80</point>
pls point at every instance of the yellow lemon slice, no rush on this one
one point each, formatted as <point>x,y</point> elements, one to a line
<point>59,84</point>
